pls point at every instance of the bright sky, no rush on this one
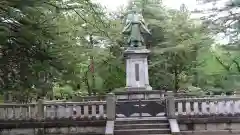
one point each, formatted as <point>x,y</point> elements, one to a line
<point>175,4</point>
<point>114,4</point>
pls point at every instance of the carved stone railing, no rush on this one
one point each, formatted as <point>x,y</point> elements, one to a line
<point>18,111</point>
<point>200,107</point>
<point>75,110</point>
<point>54,110</point>
<point>175,107</point>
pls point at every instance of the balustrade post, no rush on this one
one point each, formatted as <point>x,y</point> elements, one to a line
<point>111,105</point>
<point>40,109</point>
<point>170,104</point>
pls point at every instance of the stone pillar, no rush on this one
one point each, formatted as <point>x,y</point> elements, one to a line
<point>137,69</point>
<point>170,105</point>
<point>8,97</point>
<point>237,92</point>
<point>40,109</point>
<point>111,106</point>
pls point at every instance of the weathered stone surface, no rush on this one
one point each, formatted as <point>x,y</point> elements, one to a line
<point>136,79</point>
<point>136,96</point>
<point>183,127</point>
<point>235,126</point>
<point>109,128</point>
<point>211,126</point>
<point>221,126</point>
<point>170,105</point>
<point>206,132</point>
<point>237,107</point>
<point>208,107</point>
<point>199,127</point>
<point>174,126</point>
<point>71,130</point>
<point>205,108</point>
<point>235,132</point>
<point>111,105</point>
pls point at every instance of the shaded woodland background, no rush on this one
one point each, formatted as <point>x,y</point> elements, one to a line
<point>60,49</point>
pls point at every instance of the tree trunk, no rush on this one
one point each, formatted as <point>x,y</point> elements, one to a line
<point>195,72</point>
<point>92,66</point>
<point>87,84</point>
<point>176,80</point>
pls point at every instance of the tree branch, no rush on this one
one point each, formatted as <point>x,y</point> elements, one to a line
<point>226,67</point>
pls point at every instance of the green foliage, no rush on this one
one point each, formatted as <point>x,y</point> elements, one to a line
<point>176,43</point>
<point>62,48</point>
<point>225,56</point>
<point>26,60</point>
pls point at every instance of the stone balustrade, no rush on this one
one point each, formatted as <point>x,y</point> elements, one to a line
<point>216,106</point>
<point>91,110</point>
<point>75,110</point>
<point>18,111</point>
<point>53,110</point>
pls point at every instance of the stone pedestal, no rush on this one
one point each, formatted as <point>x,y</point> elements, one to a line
<point>137,69</point>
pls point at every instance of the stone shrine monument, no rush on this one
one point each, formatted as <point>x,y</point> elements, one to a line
<point>136,53</point>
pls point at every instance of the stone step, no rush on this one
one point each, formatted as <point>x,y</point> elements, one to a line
<point>141,131</point>
<point>142,126</point>
<point>149,134</point>
<point>155,134</point>
<point>142,120</point>
<point>142,115</point>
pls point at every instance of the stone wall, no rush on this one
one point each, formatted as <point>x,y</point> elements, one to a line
<point>210,128</point>
<point>57,131</point>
